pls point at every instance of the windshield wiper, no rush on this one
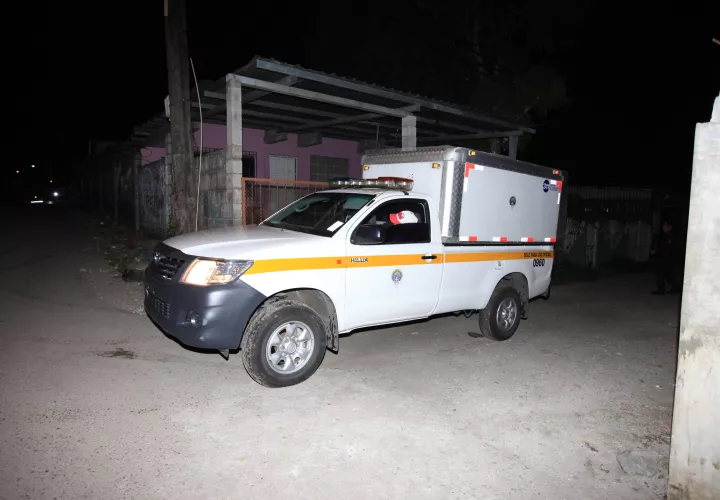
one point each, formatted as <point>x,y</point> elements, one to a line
<point>286,225</point>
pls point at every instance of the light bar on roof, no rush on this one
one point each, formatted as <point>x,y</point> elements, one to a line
<point>381,183</point>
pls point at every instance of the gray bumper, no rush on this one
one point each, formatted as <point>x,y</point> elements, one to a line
<point>220,312</point>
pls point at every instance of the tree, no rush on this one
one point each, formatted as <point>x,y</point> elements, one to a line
<point>511,47</point>
<point>496,56</point>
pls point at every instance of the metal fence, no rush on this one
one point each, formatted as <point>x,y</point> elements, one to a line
<point>264,197</point>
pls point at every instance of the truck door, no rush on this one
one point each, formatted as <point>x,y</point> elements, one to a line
<point>396,277</point>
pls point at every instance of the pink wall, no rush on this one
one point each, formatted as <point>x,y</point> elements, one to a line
<point>150,155</point>
<point>214,136</point>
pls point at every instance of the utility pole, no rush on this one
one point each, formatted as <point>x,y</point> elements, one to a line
<point>183,201</point>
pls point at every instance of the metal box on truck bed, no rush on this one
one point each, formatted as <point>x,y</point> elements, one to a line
<point>482,198</point>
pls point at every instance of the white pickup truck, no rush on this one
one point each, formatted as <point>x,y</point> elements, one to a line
<point>424,232</point>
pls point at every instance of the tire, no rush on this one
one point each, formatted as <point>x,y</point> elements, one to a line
<point>492,324</point>
<point>546,295</point>
<point>276,351</point>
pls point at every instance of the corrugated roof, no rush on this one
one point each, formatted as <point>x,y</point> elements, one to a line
<point>438,121</point>
<point>253,63</point>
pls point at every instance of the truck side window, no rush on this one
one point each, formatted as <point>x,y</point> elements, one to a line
<point>404,221</point>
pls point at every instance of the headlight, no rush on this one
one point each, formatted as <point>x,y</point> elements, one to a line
<point>215,272</point>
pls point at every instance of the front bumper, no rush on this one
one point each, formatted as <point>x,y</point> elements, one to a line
<point>212,317</point>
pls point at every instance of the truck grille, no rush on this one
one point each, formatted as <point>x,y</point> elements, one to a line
<point>166,266</point>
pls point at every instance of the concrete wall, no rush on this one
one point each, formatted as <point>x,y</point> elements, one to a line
<point>215,205</point>
<point>215,136</point>
<point>152,199</point>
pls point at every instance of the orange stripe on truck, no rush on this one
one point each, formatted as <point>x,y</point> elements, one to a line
<point>322,263</point>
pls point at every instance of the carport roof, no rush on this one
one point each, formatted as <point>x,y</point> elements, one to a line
<point>290,98</point>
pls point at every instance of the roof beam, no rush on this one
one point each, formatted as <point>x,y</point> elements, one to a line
<point>345,132</point>
<point>286,128</point>
<point>346,119</point>
<point>316,112</point>
<point>380,92</point>
<point>216,109</point>
<point>328,114</point>
<point>310,95</point>
<point>482,135</point>
<point>258,94</point>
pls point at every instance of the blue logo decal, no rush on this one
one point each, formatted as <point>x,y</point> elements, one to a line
<point>549,187</point>
<point>397,276</point>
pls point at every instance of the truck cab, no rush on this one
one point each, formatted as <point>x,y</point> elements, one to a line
<point>413,238</point>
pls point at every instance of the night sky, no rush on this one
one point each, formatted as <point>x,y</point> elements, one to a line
<point>638,76</point>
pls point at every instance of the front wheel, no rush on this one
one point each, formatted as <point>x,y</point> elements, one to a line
<point>501,317</point>
<point>283,344</point>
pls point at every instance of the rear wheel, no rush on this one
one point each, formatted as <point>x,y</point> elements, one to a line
<point>283,344</point>
<point>501,317</point>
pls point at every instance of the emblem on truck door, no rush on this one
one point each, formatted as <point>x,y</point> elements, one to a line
<point>397,276</point>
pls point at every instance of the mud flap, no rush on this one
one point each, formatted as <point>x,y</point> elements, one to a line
<point>332,336</point>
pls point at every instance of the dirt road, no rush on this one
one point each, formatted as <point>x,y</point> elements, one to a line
<point>96,403</point>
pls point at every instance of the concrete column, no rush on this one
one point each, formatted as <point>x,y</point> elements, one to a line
<point>233,153</point>
<point>409,133</point>
<point>513,146</point>
<point>495,146</point>
<point>695,444</point>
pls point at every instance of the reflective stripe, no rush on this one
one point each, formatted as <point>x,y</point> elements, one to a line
<point>468,168</point>
<point>322,263</point>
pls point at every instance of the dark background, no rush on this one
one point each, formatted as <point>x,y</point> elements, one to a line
<point>638,76</point>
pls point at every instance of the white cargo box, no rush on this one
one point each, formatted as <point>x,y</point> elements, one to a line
<point>483,198</point>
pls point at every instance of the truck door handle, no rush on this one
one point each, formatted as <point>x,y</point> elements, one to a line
<point>429,257</point>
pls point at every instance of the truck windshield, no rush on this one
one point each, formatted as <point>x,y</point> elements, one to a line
<point>321,214</point>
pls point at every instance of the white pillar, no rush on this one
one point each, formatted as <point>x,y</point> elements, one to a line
<point>409,133</point>
<point>233,152</point>
<point>695,444</point>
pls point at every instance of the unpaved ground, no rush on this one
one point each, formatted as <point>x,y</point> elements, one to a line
<point>96,403</point>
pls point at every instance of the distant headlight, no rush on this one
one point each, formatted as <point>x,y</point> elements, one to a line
<point>205,272</point>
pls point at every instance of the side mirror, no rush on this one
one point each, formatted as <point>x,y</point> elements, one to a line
<point>369,235</point>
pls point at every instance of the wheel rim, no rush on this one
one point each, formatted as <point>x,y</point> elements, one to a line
<point>506,314</point>
<point>289,347</point>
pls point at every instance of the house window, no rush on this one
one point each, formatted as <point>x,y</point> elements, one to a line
<point>324,168</point>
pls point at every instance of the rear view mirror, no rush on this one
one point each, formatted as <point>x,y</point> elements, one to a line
<point>369,234</point>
